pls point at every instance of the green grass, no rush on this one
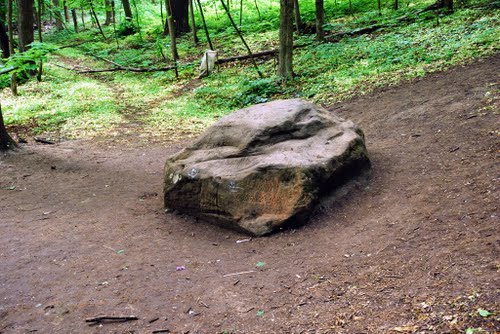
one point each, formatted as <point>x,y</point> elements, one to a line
<point>69,104</point>
<point>333,72</point>
<point>74,105</point>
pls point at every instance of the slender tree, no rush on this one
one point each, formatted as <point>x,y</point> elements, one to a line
<point>298,19</point>
<point>241,12</point>
<point>257,7</point>
<point>66,11</point>
<point>13,79</point>
<point>193,22</point>
<point>180,16</point>
<point>161,14</point>
<point>92,11</point>
<point>75,19</point>
<point>320,20</point>
<point>109,12</point>
<point>127,9</point>
<point>6,142</point>
<point>171,31</point>
<point>137,20</point>
<point>51,18</point>
<point>113,12</point>
<point>57,14</point>
<point>205,25</point>
<point>285,69</point>
<point>25,24</point>
<point>39,24</point>
<point>242,39</point>
<point>4,39</point>
<point>83,19</point>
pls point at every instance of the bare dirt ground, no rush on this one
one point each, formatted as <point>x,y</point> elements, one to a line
<point>415,249</point>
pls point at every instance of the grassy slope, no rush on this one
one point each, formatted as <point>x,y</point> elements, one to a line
<point>71,105</point>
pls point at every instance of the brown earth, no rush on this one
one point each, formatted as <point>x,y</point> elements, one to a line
<point>415,249</point>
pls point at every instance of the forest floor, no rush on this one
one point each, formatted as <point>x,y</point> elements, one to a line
<point>415,248</point>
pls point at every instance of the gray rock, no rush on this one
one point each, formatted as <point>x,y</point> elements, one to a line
<point>265,167</point>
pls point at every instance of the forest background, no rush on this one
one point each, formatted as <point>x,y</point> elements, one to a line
<point>95,66</point>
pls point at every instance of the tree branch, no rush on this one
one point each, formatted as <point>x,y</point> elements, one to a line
<point>9,70</point>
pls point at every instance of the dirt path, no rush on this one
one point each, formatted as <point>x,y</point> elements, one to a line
<point>83,233</point>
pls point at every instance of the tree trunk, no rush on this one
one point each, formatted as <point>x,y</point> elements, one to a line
<point>205,25</point>
<point>66,11</point>
<point>39,20</point>
<point>51,19</point>
<point>180,16</point>
<point>285,70</point>
<point>13,82</point>
<point>448,4</point>
<point>162,18</point>
<point>39,24</point>
<point>4,39</point>
<point>396,4</point>
<point>241,12</point>
<point>379,5</point>
<point>320,20</point>
<point>83,19</point>
<point>6,141</point>
<point>109,13</point>
<point>127,9</point>
<point>57,15</point>
<point>25,23</point>
<point>171,30</point>
<point>193,22</point>
<point>75,19</point>
<point>242,39</point>
<point>92,10</point>
<point>257,7</point>
<point>298,19</point>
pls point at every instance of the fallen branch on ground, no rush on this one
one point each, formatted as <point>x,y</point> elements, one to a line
<point>129,69</point>
<point>356,32</point>
<point>330,39</point>
<point>9,70</point>
<point>43,141</point>
<point>119,67</point>
<point>239,273</point>
<point>105,318</point>
<point>368,30</point>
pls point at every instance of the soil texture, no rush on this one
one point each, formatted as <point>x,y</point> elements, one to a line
<point>413,249</point>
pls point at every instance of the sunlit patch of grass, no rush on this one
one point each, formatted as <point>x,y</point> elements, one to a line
<point>60,104</point>
<point>178,117</point>
<point>139,89</point>
<point>91,124</point>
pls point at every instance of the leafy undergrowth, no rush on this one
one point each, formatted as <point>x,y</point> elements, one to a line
<point>71,105</point>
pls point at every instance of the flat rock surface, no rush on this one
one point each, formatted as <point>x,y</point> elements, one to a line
<point>263,167</point>
<point>415,251</point>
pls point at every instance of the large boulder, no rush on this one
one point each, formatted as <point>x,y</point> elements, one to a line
<point>265,167</point>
